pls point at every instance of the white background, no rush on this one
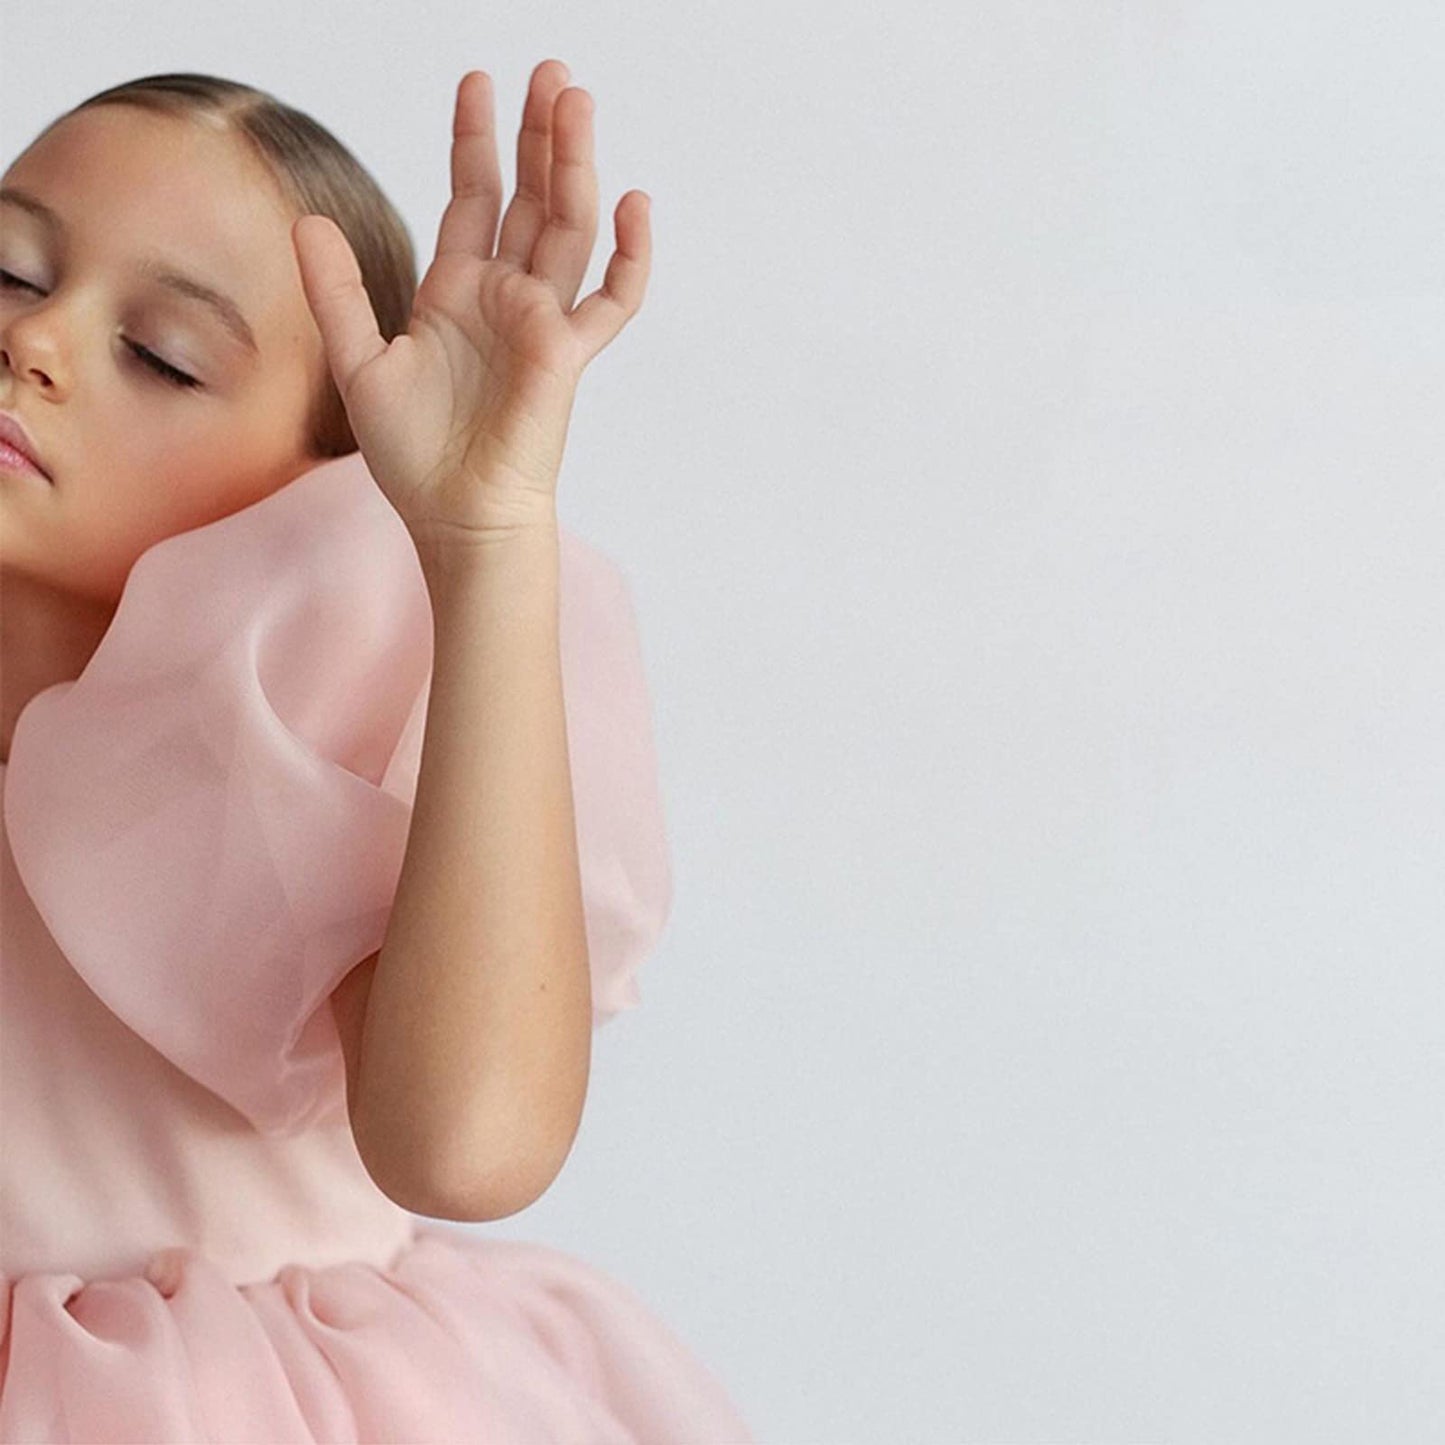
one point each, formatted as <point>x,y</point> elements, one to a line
<point>1027,465</point>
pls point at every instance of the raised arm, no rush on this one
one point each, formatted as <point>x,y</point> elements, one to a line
<point>468,1036</point>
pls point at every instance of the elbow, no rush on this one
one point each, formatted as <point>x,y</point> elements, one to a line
<point>426,1193</point>
<point>504,1172</point>
<point>477,1207</point>
<point>501,1157</point>
<point>507,1156</point>
<point>493,1189</point>
<point>475,1184</point>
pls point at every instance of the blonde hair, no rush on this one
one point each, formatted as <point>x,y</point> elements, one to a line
<point>318,175</point>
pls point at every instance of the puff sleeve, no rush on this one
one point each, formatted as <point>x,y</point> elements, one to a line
<point>211,819</point>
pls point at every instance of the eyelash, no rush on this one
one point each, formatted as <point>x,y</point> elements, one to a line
<point>147,358</point>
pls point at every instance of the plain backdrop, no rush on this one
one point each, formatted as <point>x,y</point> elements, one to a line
<point>1027,464</point>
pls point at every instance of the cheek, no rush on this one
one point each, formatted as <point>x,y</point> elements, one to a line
<point>121,508</point>
<point>188,469</point>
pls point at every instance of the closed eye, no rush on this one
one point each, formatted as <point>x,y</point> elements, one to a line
<point>9,281</point>
<point>168,371</point>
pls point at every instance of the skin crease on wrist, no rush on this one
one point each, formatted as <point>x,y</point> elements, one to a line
<point>133,455</point>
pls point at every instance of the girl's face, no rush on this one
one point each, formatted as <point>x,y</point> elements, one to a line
<point>133,453</point>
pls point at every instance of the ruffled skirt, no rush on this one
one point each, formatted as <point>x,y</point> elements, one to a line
<point>487,1341</point>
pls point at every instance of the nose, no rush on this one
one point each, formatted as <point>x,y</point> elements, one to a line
<point>36,330</point>
<point>27,356</point>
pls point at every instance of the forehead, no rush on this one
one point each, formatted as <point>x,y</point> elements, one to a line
<point>131,183</point>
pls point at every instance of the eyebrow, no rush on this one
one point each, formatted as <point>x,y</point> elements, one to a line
<point>154,269</point>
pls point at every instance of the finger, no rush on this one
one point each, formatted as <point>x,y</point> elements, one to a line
<point>527,213</point>
<point>564,247</point>
<point>608,309</point>
<point>469,222</point>
<point>334,291</point>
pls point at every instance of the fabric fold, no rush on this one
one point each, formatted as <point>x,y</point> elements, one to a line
<point>482,1339</point>
<point>211,819</point>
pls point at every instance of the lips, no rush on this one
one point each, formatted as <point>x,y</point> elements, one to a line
<point>13,433</point>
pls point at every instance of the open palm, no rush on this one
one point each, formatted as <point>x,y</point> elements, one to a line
<point>462,419</point>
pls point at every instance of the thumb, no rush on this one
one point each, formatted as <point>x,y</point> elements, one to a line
<point>331,279</point>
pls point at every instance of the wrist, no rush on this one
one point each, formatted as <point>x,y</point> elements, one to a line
<point>514,557</point>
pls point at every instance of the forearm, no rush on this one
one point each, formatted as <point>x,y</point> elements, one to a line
<point>477,1037</point>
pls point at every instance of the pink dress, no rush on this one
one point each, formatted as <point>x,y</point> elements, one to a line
<point>202,835</point>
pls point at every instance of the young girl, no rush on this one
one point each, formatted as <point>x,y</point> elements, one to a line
<point>313,889</point>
